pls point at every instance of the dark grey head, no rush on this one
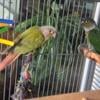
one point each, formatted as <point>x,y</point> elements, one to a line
<point>88,24</point>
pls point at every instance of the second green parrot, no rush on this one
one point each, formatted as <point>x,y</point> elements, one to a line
<point>28,41</point>
<point>92,33</point>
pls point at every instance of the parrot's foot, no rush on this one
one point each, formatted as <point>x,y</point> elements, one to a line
<point>28,58</point>
<point>81,47</point>
<point>91,55</point>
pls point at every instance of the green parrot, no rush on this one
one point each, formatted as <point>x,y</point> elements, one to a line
<point>92,33</point>
<point>28,41</point>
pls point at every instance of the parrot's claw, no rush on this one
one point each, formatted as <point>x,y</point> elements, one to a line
<point>28,58</point>
<point>81,47</point>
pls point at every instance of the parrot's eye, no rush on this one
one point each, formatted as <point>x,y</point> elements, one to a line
<point>51,32</point>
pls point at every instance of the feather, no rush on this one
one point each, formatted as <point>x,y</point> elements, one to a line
<point>10,58</point>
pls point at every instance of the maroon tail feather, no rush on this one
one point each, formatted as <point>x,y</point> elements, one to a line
<point>10,58</point>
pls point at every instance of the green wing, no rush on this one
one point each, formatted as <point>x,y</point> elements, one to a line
<point>29,40</point>
<point>94,39</point>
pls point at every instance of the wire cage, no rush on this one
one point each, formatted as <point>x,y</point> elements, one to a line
<point>57,67</point>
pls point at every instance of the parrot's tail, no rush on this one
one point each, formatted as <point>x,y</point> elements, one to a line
<point>10,58</point>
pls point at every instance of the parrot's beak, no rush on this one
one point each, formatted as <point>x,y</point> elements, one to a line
<point>83,20</point>
<point>82,23</point>
<point>54,35</point>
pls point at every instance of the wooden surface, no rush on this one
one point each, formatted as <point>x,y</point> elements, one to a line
<point>90,95</point>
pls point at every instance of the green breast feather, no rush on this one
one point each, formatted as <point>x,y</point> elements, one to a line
<point>94,39</point>
<point>30,40</point>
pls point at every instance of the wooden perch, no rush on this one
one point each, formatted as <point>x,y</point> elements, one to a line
<point>84,98</point>
<point>87,95</point>
<point>91,55</point>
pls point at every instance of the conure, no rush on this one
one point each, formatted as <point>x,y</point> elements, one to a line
<point>28,41</point>
<point>92,33</point>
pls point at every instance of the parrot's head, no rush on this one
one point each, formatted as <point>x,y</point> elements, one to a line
<point>88,24</point>
<point>48,31</point>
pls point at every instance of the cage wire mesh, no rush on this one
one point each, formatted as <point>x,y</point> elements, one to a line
<point>57,67</point>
